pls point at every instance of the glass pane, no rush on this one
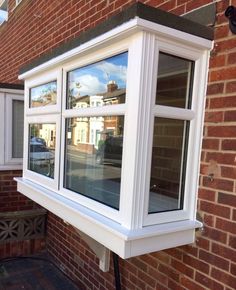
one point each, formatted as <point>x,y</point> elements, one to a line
<point>168,165</point>
<point>174,81</point>
<point>42,148</point>
<point>93,157</point>
<point>98,84</point>
<point>44,95</point>
<point>17,128</point>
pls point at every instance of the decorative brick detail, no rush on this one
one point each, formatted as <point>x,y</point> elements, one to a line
<point>22,225</point>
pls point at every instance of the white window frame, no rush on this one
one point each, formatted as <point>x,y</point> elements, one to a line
<point>131,214</point>
<point>7,96</point>
<point>129,231</point>
<point>10,98</point>
<point>51,183</point>
<point>53,75</point>
<point>194,116</point>
<point>111,110</point>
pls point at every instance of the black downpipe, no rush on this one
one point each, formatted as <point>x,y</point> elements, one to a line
<point>116,271</point>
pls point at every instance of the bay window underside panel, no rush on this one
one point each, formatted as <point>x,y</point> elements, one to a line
<point>125,243</point>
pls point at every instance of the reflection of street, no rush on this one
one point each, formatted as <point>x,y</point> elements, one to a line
<point>85,176</point>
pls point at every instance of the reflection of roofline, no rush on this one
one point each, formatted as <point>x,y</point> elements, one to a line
<point>107,95</point>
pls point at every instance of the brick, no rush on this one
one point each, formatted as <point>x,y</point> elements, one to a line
<point>175,253</point>
<point>228,172</point>
<point>221,158</point>
<point>221,131</point>
<point>222,32</point>
<point>223,74</point>
<point>182,268</point>
<point>232,241</point>
<point>217,61</point>
<point>203,243</point>
<point>174,286</point>
<point>189,284</point>
<point>160,277</point>
<point>214,117</point>
<point>227,199</point>
<point>231,87</point>
<point>197,264</point>
<point>230,116</point>
<point>233,269</point>
<point>228,145</point>
<point>215,209</point>
<point>162,257</point>
<point>147,279</point>
<point>211,144</point>
<point>226,226</point>
<point>214,260</point>
<point>171,273</point>
<point>222,102</point>
<point>216,88</point>
<point>223,277</point>
<point>225,46</point>
<point>206,194</point>
<point>232,58</point>
<point>139,264</point>
<point>215,235</point>
<point>224,252</point>
<point>220,184</point>
<point>207,282</point>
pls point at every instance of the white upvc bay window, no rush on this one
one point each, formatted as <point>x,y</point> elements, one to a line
<point>113,133</point>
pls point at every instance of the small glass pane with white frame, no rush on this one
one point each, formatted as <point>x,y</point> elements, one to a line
<point>99,84</point>
<point>94,143</point>
<point>42,143</point>
<point>43,95</point>
<point>93,157</point>
<point>172,119</point>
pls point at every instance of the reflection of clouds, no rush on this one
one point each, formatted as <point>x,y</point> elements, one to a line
<point>112,71</point>
<point>41,91</point>
<point>90,85</point>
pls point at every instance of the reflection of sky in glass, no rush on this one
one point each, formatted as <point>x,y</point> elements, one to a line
<point>38,94</point>
<point>93,79</point>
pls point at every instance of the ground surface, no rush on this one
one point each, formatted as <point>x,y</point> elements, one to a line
<point>32,274</point>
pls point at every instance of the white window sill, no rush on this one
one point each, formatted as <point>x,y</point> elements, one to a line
<point>126,243</point>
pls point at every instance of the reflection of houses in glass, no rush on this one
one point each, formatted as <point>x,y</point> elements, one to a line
<point>113,96</point>
<point>43,95</point>
<point>87,132</point>
<point>48,133</point>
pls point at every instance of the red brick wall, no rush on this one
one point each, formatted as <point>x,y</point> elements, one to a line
<point>35,27</point>
<point>10,199</point>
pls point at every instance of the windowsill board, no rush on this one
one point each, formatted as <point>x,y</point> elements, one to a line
<point>126,243</point>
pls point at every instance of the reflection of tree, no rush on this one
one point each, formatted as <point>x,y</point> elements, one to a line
<point>72,95</point>
<point>34,130</point>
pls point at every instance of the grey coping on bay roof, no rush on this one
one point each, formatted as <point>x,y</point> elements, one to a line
<point>136,10</point>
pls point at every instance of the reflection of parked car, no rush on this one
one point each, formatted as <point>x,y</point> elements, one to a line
<point>110,151</point>
<point>40,154</point>
<point>38,140</point>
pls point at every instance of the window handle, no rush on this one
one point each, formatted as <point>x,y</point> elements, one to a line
<point>154,186</point>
